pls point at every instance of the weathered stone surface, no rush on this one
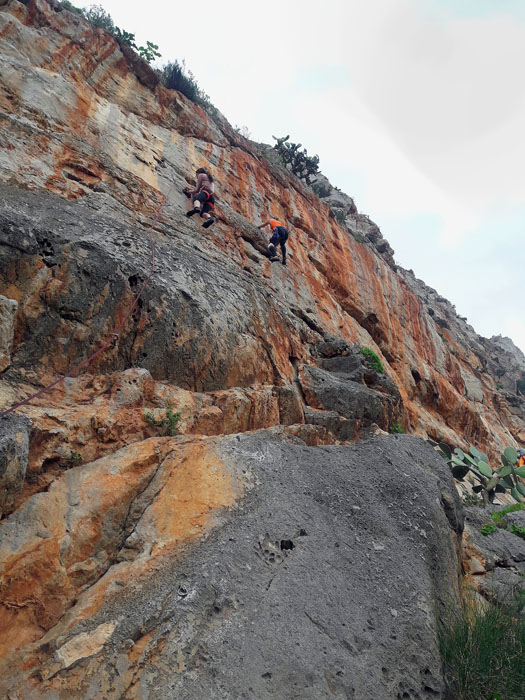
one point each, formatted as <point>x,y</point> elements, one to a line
<point>8,309</point>
<point>501,586</point>
<point>62,541</point>
<point>141,566</point>
<point>501,548</point>
<point>517,518</point>
<point>497,560</point>
<point>310,583</point>
<point>85,644</point>
<point>340,427</point>
<point>86,259</point>
<point>336,391</point>
<point>14,449</point>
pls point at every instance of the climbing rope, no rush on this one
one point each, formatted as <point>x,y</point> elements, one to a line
<point>110,342</point>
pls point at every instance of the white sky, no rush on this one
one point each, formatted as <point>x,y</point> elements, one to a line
<point>416,109</point>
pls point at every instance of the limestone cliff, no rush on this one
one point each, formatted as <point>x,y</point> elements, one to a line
<point>94,155</point>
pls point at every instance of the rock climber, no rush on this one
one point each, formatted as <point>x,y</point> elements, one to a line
<point>279,235</point>
<point>521,457</point>
<point>202,196</point>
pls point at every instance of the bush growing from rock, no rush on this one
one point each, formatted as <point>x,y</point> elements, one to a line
<point>168,422</point>
<point>500,515</point>
<point>519,531</point>
<point>175,76</point>
<point>98,17</point>
<point>373,360</point>
<point>72,8</point>
<point>488,529</point>
<point>339,216</point>
<point>500,522</point>
<point>321,189</point>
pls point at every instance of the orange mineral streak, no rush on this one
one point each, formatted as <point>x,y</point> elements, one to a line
<point>44,572</point>
<point>198,486</point>
<point>109,131</point>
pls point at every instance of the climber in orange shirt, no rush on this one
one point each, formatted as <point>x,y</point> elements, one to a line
<point>279,235</point>
<point>521,457</point>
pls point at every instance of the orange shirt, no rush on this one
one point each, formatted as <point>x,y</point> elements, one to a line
<point>274,223</point>
<point>522,462</point>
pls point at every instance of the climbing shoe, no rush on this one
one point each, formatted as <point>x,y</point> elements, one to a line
<point>208,222</point>
<point>191,212</point>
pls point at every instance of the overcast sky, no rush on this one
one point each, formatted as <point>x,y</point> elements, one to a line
<point>416,109</point>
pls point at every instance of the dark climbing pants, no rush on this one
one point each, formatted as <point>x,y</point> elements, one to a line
<point>280,235</point>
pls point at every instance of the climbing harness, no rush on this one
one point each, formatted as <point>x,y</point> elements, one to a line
<point>111,342</point>
<point>209,194</point>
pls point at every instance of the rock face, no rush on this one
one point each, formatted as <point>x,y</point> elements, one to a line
<point>495,561</point>
<point>81,122</point>
<point>14,452</point>
<point>8,309</point>
<point>137,563</point>
<point>310,585</point>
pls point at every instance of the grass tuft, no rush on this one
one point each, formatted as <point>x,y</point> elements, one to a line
<point>483,653</point>
<point>509,509</point>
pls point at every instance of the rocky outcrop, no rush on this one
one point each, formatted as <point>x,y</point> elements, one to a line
<point>495,557</point>
<point>305,582</point>
<point>123,177</point>
<point>137,563</point>
<point>8,309</point>
<point>14,449</point>
<point>343,209</point>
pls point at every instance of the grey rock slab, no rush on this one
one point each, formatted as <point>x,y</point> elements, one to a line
<point>203,321</point>
<point>501,586</point>
<point>8,309</point>
<point>324,581</point>
<point>14,451</point>
<point>517,518</point>
<point>501,548</point>
<point>348,398</point>
<point>342,428</point>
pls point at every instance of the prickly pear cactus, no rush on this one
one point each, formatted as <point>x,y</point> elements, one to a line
<point>490,481</point>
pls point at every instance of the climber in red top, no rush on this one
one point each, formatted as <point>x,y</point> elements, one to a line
<point>279,235</point>
<point>202,196</point>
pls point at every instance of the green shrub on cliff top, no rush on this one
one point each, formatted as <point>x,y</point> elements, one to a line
<point>175,76</point>
<point>97,16</point>
<point>72,8</point>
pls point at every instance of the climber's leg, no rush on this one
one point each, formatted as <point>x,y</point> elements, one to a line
<point>283,251</point>
<point>197,203</point>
